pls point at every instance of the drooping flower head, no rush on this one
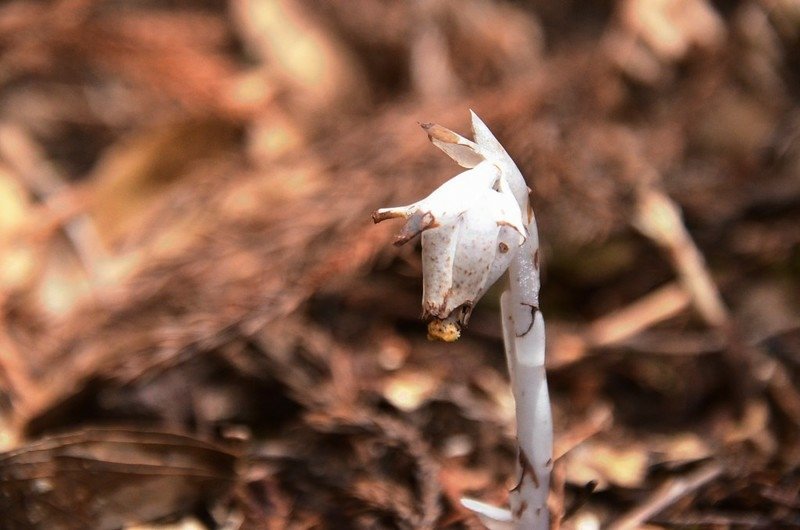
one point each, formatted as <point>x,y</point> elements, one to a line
<point>471,226</point>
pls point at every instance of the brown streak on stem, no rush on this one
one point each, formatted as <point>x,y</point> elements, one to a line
<point>534,309</point>
<point>527,468</point>
<point>519,511</point>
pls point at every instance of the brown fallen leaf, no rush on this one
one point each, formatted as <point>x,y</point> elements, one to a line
<point>105,478</point>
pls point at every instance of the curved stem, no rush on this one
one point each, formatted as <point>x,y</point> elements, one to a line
<point>524,340</point>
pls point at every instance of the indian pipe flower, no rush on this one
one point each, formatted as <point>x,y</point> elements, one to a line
<point>474,227</point>
<point>471,226</point>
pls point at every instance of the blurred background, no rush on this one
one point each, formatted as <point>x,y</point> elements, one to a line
<point>201,327</point>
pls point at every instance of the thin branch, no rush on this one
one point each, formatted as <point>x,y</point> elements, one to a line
<point>621,325</point>
<point>668,493</point>
<point>657,306</point>
<point>659,218</point>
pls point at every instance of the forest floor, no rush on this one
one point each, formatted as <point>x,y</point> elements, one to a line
<point>200,327</point>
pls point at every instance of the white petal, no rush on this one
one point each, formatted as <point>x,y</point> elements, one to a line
<point>491,148</point>
<point>484,137</point>
<point>508,211</point>
<point>474,255</point>
<point>487,239</point>
<point>438,253</point>
<point>445,205</point>
<point>458,194</point>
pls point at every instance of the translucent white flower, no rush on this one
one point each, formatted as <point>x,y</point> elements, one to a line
<point>474,227</point>
<point>471,226</point>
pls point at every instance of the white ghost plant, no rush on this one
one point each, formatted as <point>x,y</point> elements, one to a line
<point>475,227</point>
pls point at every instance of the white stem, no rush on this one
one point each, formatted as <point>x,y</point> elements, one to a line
<point>524,340</point>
